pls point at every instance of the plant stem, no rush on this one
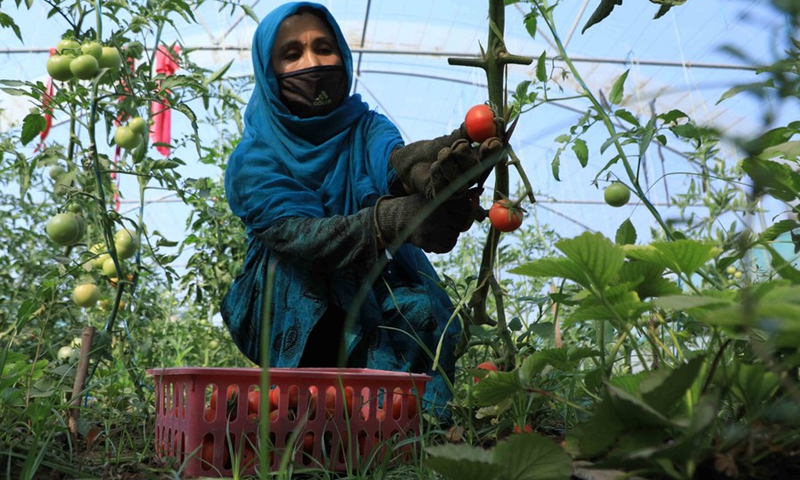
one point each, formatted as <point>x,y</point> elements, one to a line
<point>547,16</point>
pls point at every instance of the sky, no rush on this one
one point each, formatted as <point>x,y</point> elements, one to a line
<point>426,97</point>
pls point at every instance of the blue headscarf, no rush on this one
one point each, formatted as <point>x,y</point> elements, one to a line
<point>311,167</point>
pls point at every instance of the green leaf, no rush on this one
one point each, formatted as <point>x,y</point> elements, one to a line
<point>532,457</point>
<point>672,116</point>
<point>787,150</point>
<point>777,229</point>
<point>564,359</point>
<point>744,88</point>
<point>554,267</point>
<point>555,165</point>
<point>664,394</point>
<point>617,91</point>
<point>689,302</point>
<point>686,256</point>
<point>216,75</point>
<point>595,254</point>
<point>249,11</point>
<point>541,67</point>
<point>776,179</point>
<point>754,384</point>
<point>530,23</point>
<point>495,387</point>
<point>8,22</point>
<point>581,151</point>
<point>626,233</point>
<point>627,116</point>
<point>618,312</point>
<point>782,267</point>
<point>634,412</point>
<point>601,12</point>
<point>32,125</point>
<point>597,435</point>
<point>662,11</point>
<point>463,462</point>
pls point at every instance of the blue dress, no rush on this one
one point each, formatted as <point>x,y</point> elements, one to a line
<point>305,190</point>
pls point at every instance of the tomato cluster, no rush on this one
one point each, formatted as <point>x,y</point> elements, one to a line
<point>82,61</point>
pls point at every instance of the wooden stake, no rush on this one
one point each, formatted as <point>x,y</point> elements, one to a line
<point>80,379</point>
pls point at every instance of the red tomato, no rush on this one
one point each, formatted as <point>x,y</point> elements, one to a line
<point>504,216</point>
<point>349,398</point>
<point>480,123</point>
<point>308,443</point>
<point>330,402</point>
<point>253,399</point>
<point>527,429</point>
<point>485,366</point>
<point>313,394</point>
<point>273,399</point>
<point>208,451</point>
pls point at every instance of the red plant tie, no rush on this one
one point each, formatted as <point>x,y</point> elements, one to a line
<point>160,132</point>
<point>48,111</point>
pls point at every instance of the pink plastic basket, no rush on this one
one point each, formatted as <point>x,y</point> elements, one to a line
<point>338,417</point>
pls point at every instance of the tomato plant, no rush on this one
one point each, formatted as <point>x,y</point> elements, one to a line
<point>480,123</point>
<point>504,216</point>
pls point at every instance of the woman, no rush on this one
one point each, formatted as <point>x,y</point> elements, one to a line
<point>324,186</point>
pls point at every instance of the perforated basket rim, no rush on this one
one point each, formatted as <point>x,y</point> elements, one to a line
<point>293,373</point>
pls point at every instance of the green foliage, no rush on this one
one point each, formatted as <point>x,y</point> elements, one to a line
<point>522,457</point>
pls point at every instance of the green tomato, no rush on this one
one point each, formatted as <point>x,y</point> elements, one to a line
<point>86,295</point>
<point>84,67</point>
<point>617,194</point>
<point>126,243</point>
<point>58,67</point>
<point>65,229</point>
<point>67,45</point>
<point>56,172</point>
<point>109,269</point>
<point>110,58</point>
<point>92,48</point>
<point>127,138</point>
<point>137,125</point>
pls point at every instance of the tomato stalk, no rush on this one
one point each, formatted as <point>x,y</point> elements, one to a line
<point>546,14</point>
<point>493,61</point>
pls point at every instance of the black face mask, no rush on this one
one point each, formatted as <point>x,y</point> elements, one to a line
<point>315,91</point>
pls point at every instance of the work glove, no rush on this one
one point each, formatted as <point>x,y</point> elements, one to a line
<point>413,162</point>
<point>436,233</point>
<point>455,162</point>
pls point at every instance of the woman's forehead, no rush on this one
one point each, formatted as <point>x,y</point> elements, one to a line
<point>296,25</point>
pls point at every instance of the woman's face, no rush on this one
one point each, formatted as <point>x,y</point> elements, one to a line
<point>304,41</point>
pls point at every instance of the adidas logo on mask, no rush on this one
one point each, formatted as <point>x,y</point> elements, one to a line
<point>322,99</point>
